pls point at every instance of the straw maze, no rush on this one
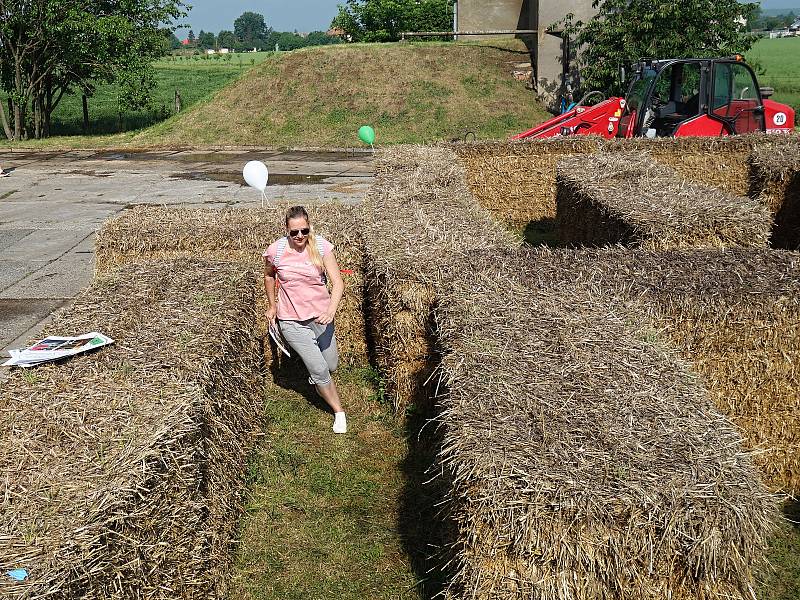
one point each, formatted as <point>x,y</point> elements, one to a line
<point>592,404</point>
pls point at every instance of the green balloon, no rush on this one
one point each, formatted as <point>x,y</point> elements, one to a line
<point>367,134</point>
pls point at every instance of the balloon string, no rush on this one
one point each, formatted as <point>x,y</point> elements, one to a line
<point>263,197</point>
<point>373,149</point>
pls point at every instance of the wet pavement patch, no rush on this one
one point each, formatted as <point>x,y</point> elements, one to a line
<point>89,173</point>
<point>274,178</point>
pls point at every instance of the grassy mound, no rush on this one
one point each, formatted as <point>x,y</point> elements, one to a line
<point>321,96</point>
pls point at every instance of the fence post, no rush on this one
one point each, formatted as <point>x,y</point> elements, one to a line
<point>178,101</point>
<point>85,114</point>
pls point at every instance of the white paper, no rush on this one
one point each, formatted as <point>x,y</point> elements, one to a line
<point>276,336</point>
<point>56,347</point>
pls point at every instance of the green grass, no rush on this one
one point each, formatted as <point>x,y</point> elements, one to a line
<point>778,66</point>
<point>410,93</point>
<point>782,581</point>
<point>325,514</point>
<point>196,78</point>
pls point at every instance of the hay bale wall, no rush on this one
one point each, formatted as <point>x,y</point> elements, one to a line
<point>418,212</point>
<point>622,198</point>
<point>720,162</point>
<point>585,460</point>
<point>146,233</point>
<point>735,317</point>
<point>775,181</point>
<point>121,472</point>
<point>516,183</point>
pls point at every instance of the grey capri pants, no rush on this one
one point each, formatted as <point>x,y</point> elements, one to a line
<point>315,344</point>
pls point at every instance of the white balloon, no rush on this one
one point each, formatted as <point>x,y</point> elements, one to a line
<point>256,174</point>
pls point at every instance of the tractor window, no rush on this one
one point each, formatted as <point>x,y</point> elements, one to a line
<point>735,98</point>
<point>638,89</point>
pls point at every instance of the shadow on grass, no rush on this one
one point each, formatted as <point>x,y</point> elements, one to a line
<point>290,374</point>
<point>420,526</point>
<point>424,530</point>
<point>791,511</point>
<point>542,233</point>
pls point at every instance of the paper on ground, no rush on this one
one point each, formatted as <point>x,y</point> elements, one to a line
<point>56,347</point>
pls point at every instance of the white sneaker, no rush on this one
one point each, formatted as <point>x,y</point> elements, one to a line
<point>339,423</point>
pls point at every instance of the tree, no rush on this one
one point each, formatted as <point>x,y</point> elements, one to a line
<point>287,40</point>
<point>251,29</point>
<point>49,48</point>
<point>206,40</point>
<point>191,37</point>
<point>623,31</point>
<point>226,39</point>
<point>385,20</point>
<point>320,38</point>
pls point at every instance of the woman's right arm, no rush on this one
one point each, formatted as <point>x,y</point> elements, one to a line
<point>269,288</point>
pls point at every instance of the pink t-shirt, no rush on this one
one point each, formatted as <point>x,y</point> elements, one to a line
<point>302,293</point>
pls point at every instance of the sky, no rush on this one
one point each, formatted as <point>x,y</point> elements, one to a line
<point>300,15</point>
<point>281,15</point>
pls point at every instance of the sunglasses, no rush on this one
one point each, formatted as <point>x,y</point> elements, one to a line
<point>295,232</point>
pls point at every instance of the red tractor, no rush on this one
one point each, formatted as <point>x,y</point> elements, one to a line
<point>679,97</point>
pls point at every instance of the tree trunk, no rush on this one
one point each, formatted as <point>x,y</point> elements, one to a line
<point>37,114</point>
<point>4,119</point>
<point>85,115</point>
<point>48,109</point>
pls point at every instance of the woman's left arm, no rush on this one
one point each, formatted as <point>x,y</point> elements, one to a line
<point>335,276</point>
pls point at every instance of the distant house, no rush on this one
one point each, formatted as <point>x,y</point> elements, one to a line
<point>550,56</point>
<point>211,51</point>
<point>340,33</point>
<point>224,50</point>
<point>185,42</point>
<point>795,26</point>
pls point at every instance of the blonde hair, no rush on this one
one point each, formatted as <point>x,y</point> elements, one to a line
<point>297,212</point>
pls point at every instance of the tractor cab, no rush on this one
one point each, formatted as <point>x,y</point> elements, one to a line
<point>692,97</point>
<point>674,98</point>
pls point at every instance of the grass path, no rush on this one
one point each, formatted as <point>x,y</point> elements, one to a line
<point>324,514</point>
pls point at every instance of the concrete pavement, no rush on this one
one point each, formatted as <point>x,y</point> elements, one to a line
<point>53,202</point>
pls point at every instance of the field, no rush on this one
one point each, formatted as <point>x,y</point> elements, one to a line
<point>320,97</point>
<point>195,77</point>
<point>777,65</point>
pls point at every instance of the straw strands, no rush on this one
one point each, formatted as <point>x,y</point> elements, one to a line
<point>630,199</point>
<point>418,212</point>
<point>517,182</point>
<point>735,316</point>
<point>147,233</point>
<point>775,181</point>
<point>585,461</point>
<point>121,471</point>
<point>721,162</point>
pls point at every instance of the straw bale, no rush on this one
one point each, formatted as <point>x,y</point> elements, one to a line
<point>775,181</point>
<point>418,212</point>
<point>735,316</point>
<point>121,471</point>
<point>585,461</point>
<point>241,235</point>
<point>720,162</point>
<point>516,182</point>
<point>630,199</point>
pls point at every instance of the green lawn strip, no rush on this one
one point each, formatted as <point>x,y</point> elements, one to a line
<point>323,512</point>
<point>782,580</point>
<point>778,67</point>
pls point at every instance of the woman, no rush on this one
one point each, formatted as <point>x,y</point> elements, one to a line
<point>302,306</point>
